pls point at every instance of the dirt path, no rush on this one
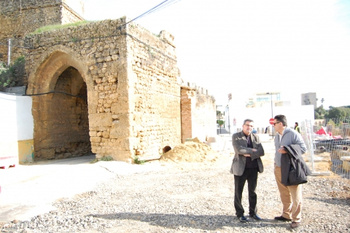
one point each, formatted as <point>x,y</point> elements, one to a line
<point>189,197</point>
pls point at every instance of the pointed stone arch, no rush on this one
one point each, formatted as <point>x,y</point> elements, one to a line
<point>46,74</point>
<point>60,92</point>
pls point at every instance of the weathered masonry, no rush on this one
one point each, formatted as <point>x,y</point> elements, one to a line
<point>108,87</point>
<point>107,83</point>
<point>19,18</point>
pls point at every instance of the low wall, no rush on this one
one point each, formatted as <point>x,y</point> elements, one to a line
<point>16,130</point>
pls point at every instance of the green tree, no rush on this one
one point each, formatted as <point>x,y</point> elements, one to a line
<point>337,113</point>
<point>320,112</point>
<point>13,75</point>
<point>220,123</point>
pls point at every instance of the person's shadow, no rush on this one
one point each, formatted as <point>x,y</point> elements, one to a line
<point>204,222</point>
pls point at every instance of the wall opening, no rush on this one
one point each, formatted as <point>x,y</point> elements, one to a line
<point>61,118</point>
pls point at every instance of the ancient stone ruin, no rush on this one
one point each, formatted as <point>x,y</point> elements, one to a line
<point>109,87</point>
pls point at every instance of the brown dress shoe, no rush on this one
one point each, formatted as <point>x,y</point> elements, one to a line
<point>281,218</point>
<point>295,224</point>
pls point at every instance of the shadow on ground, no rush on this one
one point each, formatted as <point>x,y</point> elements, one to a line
<point>204,222</point>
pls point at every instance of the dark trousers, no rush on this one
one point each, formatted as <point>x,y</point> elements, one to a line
<point>250,175</point>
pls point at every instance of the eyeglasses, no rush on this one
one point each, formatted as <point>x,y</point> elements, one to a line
<point>276,122</point>
<point>249,125</point>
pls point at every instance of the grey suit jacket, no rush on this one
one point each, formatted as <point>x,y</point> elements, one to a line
<point>239,142</point>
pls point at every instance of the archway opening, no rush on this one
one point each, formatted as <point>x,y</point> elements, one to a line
<point>62,125</point>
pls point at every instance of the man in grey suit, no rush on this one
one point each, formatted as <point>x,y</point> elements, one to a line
<point>245,167</point>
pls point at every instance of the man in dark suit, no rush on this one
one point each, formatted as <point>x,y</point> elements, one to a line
<point>245,167</point>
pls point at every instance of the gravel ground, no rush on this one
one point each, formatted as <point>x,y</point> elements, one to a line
<point>190,197</point>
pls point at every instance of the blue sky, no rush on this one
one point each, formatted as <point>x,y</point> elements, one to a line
<point>252,46</point>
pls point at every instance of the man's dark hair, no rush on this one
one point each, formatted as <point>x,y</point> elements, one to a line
<point>247,120</point>
<point>281,118</point>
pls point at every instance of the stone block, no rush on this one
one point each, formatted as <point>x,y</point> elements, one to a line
<point>95,139</point>
<point>48,153</point>
<point>119,129</point>
<point>100,119</point>
<point>346,163</point>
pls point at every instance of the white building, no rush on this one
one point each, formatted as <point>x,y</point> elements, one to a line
<point>261,108</point>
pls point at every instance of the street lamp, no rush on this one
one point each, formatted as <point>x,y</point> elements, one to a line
<point>270,93</point>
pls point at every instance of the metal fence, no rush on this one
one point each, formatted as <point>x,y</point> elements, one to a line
<point>328,145</point>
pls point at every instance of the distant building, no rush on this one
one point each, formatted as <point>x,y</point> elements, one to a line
<point>268,98</point>
<point>261,107</point>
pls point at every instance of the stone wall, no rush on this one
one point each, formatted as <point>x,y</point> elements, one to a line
<point>30,15</point>
<point>68,15</point>
<point>187,104</point>
<point>109,87</point>
<point>204,115</point>
<point>154,92</point>
<point>133,98</point>
<point>198,113</point>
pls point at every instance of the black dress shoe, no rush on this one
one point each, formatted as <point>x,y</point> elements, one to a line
<point>243,219</point>
<point>256,217</point>
<point>281,218</point>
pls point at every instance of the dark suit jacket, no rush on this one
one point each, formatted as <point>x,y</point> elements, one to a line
<point>293,167</point>
<point>239,142</point>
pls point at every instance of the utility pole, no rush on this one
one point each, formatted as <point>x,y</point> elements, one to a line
<point>228,112</point>
<point>9,53</point>
<point>271,102</point>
